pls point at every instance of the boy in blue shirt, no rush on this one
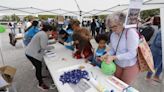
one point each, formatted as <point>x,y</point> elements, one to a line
<point>66,39</point>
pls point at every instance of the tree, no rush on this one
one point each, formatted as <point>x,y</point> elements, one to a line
<point>149,13</point>
<point>29,17</point>
<point>6,18</point>
<point>102,17</point>
<point>15,18</point>
<point>45,17</point>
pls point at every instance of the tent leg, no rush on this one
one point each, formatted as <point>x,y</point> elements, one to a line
<point>162,30</point>
<point>1,54</point>
<point>2,57</point>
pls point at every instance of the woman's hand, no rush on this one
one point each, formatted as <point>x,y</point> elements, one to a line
<point>110,59</point>
<point>104,57</point>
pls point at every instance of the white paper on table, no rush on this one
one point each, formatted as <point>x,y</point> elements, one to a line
<point>51,54</point>
<point>3,82</point>
<point>133,13</point>
<point>82,86</point>
<point>120,85</point>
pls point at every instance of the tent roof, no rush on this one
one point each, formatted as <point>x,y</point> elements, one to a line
<point>70,7</point>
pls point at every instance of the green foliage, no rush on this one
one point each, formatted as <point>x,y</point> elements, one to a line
<point>2,29</point>
<point>6,18</point>
<point>102,16</point>
<point>40,17</point>
<point>45,17</point>
<point>15,18</point>
<point>29,17</point>
<point>149,13</point>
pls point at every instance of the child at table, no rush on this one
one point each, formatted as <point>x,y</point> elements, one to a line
<point>101,49</point>
<point>65,39</point>
<point>54,34</point>
<point>83,46</point>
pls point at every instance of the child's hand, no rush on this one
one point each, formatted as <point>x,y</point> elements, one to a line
<point>65,43</point>
<point>107,49</point>
<point>104,57</point>
<point>82,55</point>
<point>98,58</point>
<point>61,41</point>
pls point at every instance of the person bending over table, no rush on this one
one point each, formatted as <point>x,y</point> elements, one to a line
<point>75,26</point>
<point>83,46</point>
<point>66,39</point>
<point>35,51</point>
<point>123,51</point>
<point>54,34</point>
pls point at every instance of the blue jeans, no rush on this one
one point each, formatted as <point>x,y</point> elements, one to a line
<point>94,61</point>
<point>20,31</point>
<point>158,67</point>
<point>13,30</point>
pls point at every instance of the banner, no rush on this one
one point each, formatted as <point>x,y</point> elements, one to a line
<point>133,13</point>
<point>60,20</point>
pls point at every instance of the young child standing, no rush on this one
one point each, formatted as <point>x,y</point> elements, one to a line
<point>101,49</point>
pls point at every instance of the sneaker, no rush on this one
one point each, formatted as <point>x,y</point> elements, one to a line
<point>43,87</point>
<point>45,76</point>
<point>53,86</point>
<point>156,78</point>
<point>152,81</point>
<point>147,79</point>
<point>155,83</point>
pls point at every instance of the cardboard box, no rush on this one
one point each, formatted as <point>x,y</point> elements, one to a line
<point>7,73</point>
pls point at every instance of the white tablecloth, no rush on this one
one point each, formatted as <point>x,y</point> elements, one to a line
<point>56,63</point>
<point>62,61</point>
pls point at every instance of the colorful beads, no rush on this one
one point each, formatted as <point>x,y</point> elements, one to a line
<point>74,76</point>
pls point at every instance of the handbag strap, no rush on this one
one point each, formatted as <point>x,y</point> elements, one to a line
<point>119,41</point>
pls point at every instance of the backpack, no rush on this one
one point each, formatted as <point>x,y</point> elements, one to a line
<point>147,32</point>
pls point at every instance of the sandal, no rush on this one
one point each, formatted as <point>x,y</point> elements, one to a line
<point>157,80</point>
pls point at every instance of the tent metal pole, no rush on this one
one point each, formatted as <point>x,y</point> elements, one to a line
<point>42,10</point>
<point>69,11</point>
<point>107,9</point>
<point>162,30</point>
<point>77,5</point>
<point>153,3</point>
<point>80,11</point>
<point>50,11</point>
<point>1,52</point>
<point>84,13</point>
<point>144,3</point>
<point>15,9</point>
<point>2,57</point>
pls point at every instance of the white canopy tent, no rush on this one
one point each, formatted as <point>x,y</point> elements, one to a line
<point>78,8</point>
<point>75,8</point>
<point>70,7</point>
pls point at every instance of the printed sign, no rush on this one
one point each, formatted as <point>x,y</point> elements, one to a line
<point>133,13</point>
